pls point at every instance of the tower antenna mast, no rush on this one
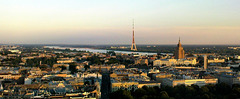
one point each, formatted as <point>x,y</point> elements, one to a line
<point>133,47</point>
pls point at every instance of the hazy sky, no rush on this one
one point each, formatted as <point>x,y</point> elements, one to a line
<point>110,21</point>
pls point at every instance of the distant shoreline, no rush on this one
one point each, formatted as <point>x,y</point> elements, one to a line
<point>106,50</point>
<point>94,45</point>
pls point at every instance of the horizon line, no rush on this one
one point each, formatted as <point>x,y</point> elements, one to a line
<point>114,44</point>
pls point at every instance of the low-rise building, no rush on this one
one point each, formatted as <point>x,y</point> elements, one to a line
<point>141,61</point>
<point>106,67</point>
<point>237,57</point>
<point>173,62</point>
<point>9,76</point>
<point>59,65</point>
<point>216,60</point>
<point>161,76</point>
<point>65,60</point>
<point>115,86</point>
<point>188,82</point>
<point>130,79</point>
<point>229,79</point>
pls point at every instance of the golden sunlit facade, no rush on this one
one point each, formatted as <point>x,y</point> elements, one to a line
<point>179,53</point>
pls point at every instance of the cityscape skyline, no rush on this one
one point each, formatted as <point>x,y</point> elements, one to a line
<point>109,22</point>
<point>112,49</point>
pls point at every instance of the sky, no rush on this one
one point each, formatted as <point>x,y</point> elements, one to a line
<point>91,22</point>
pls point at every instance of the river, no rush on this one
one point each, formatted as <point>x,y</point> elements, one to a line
<point>104,50</point>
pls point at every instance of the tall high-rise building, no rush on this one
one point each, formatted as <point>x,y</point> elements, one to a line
<point>179,53</point>
<point>133,47</point>
<point>205,62</point>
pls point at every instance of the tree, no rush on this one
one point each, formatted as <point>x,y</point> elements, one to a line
<point>95,60</point>
<point>218,91</point>
<point>63,68</point>
<point>143,97</point>
<point>87,83</point>
<point>170,90</point>
<point>223,88</point>
<point>200,59</point>
<point>43,67</point>
<point>113,61</point>
<point>112,53</point>
<point>72,68</point>
<point>164,95</point>
<point>204,89</point>
<point>178,96</point>
<point>121,94</point>
<point>205,96</point>
<point>86,67</point>
<point>236,91</point>
<point>139,93</point>
<point>24,72</point>
<point>30,62</point>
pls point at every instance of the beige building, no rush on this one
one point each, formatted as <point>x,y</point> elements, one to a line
<point>132,85</point>
<point>10,76</point>
<point>141,61</point>
<point>124,85</point>
<point>173,62</point>
<point>149,84</point>
<point>237,57</point>
<point>65,60</point>
<point>130,80</point>
<point>188,82</point>
<point>216,60</point>
<point>106,67</point>
<point>160,77</point>
<point>59,65</point>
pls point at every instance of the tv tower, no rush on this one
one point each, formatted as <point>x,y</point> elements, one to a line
<point>134,47</point>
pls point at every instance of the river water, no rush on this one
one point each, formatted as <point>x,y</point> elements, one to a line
<point>104,50</point>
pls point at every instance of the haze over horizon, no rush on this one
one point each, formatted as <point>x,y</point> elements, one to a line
<point>110,22</point>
